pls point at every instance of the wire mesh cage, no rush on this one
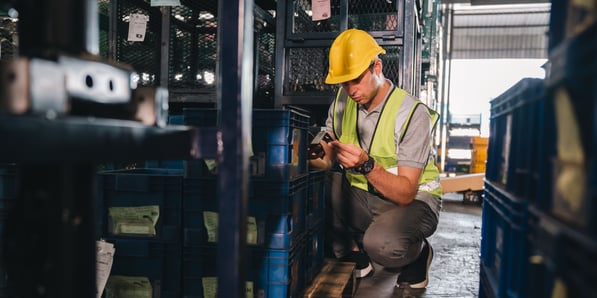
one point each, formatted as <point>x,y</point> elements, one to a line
<point>143,56</point>
<point>307,68</point>
<point>302,22</point>
<point>104,27</point>
<point>266,47</point>
<point>8,38</point>
<point>363,14</point>
<point>375,15</point>
<point>192,49</point>
<point>392,67</point>
<point>193,45</point>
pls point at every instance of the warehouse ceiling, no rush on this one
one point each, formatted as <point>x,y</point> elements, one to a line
<point>481,31</point>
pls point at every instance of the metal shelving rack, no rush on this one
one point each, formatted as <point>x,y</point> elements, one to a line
<point>52,229</point>
<point>181,50</point>
<point>302,46</point>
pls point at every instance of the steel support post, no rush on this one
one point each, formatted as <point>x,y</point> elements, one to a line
<point>235,97</point>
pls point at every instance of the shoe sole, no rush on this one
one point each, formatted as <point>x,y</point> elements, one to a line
<point>425,282</point>
<point>360,273</point>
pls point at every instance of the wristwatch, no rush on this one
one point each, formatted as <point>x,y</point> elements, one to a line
<point>366,167</point>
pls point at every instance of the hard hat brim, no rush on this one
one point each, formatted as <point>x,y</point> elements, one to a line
<point>332,79</point>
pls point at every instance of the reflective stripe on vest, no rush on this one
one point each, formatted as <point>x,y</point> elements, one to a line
<point>397,109</point>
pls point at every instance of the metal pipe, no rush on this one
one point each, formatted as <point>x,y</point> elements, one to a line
<point>448,17</point>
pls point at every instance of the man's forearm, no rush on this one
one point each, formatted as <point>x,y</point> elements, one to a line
<point>396,188</point>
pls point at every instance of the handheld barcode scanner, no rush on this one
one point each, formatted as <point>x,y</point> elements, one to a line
<point>315,150</point>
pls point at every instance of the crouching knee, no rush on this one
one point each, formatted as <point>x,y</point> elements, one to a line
<point>395,253</point>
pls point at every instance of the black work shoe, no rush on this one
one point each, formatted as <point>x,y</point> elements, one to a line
<point>416,274</point>
<point>363,265</point>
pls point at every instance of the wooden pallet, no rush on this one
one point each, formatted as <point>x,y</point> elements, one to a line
<point>335,280</point>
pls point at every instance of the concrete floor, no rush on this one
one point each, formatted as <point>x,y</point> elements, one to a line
<point>454,270</point>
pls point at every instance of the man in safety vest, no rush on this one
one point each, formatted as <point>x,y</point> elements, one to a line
<point>386,195</point>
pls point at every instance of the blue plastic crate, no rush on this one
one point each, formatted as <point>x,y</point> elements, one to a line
<point>512,152</point>
<point>504,244</point>
<point>314,251</point>
<point>315,207</point>
<point>487,286</point>
<point>199,117</point>
<point>282,205</point>
<point>280,138</point>
<point>160,262</point>
<point>568,255</point>
<point>273,273</point>
<point>278,208</point>
<point>141,187</point>
<point>176,119</point>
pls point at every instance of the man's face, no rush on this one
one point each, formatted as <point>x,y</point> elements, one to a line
<point>364,88</point>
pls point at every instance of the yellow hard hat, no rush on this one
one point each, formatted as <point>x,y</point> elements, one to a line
<point>350,55</point>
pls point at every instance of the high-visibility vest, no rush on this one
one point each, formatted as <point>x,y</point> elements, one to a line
<point>397,110</point>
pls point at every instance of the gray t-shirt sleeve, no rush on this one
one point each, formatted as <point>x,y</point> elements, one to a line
<point>329,121</point>
<point>414,149</point>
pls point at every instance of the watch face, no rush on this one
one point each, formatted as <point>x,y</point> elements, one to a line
<point>367,166</point>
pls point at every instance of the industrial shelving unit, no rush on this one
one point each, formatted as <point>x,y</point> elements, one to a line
<point>302,47</point>
<point>272,62</point>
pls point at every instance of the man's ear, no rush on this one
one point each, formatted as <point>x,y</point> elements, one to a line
<point>377,66</point>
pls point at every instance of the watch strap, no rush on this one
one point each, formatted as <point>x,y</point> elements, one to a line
<point>366,167</point>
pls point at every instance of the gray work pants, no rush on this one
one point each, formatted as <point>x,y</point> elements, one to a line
<point>392,235</point>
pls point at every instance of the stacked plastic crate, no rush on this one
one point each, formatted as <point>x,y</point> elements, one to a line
<point>277,221</point>
<point>140,214</point>
<point>510,186</point>
<point>564,223</point>
<point>315,219</point>
<point>280,190</point>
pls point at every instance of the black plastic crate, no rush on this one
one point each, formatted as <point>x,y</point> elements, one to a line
<point>568,256</point>
<point>144,187</point>
<point>160,262</point>
<point>276,206</point>
<point>270,272</point>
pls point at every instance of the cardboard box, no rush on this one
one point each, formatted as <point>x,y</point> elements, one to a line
<point>462,182</point>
